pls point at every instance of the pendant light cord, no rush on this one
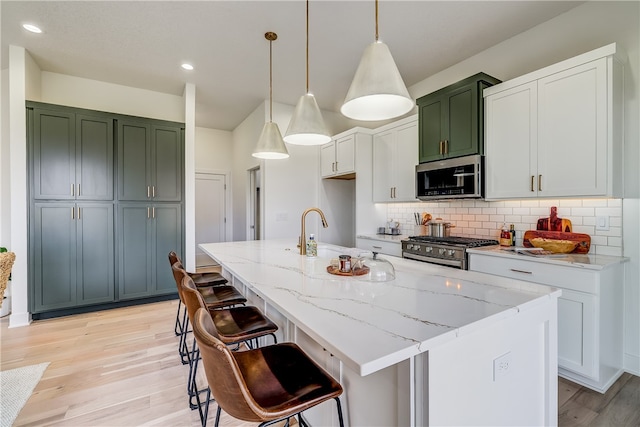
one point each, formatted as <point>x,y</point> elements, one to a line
<point>307,46</point>
<point>376,20</point>
<point>270,82</point>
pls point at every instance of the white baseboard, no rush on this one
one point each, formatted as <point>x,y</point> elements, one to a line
<point>17,320</point>
<point>632,364</point>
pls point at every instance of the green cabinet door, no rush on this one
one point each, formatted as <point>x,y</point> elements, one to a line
<point>73,254</point>
<point>94,157</point>
<point>95,253</point>
<point>166,163</point>
<point>54,160</point>
<point>134,151</point>
<point>451,120</point>
<point>167,224</point>
<point>134,256</point>
<point>53,234</point>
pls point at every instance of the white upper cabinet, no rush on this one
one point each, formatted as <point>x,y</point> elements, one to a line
<point>557,132</point>
<point>337,157</point>
<point>395,155</point>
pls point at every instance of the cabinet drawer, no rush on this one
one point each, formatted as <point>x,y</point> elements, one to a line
<point>572,278</point>
<point>388,248</point>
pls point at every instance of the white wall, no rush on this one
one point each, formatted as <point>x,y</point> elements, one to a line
<point>62,89</point>
<point>214,149</point>
<point>584,28</point>
<point>5,169</point>
<point>245,137</point>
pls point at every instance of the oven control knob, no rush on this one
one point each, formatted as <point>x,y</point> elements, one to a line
<point>416,247</point>
<point>451,252</point>
<point>441,251</point>
<point>409,246</point>
<point>428,249</point>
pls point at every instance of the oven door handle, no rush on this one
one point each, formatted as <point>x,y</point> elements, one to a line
<point>452,263</point>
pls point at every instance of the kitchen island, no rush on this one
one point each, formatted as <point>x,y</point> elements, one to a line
<point>434,346</point>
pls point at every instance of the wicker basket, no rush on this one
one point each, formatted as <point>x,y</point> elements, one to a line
<point>6,262</point>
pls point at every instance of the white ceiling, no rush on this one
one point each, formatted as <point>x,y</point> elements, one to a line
<point>143,43</point>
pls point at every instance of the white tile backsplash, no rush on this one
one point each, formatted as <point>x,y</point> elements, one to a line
<point>479,218</point>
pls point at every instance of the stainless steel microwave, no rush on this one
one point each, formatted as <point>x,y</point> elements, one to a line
<point>457,178</point>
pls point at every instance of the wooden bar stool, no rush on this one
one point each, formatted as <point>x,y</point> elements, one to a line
<point>266,384</point>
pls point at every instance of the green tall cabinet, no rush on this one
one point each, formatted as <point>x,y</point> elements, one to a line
<point>105,206</point>
<point>451,120</point>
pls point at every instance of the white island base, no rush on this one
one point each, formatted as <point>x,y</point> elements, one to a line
<point>436,346</point>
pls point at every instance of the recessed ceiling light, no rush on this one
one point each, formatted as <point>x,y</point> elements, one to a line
<point>187,66</point>
<point>32,28</point>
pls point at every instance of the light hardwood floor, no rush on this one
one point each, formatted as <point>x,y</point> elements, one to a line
<point>121,368</point>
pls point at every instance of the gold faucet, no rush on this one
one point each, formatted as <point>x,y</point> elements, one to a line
<point>302,243</point>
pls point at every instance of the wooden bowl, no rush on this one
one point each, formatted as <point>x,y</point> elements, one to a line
<point>555,246</point>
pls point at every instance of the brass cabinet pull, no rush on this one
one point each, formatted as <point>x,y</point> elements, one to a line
<point>153,191</point>
<point>148,191</point>
<point>73,190</point>
<point>539,182</point>
<point>532,178</point>
<point>78,190</point>
<point>441,149</point>
<point>148,212</point>
<point>78,212</point>
<point>73,213</point>
<point>153,212</point>
<point>446,146</point>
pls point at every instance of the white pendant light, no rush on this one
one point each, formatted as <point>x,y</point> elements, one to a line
<point>377,91</point>
<point>270,145</point>
<point>307,126</point>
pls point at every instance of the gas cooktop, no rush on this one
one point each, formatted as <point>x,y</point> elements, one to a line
<point>468,242</point>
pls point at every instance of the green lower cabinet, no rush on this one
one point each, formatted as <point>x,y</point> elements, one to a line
<point>73,254</point>
<point>148,232</point>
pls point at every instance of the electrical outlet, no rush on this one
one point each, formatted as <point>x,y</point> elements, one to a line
<point>501,366</point>
<point>602,223</point>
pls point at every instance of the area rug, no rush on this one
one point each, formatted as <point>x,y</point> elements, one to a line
<point>16,386</point>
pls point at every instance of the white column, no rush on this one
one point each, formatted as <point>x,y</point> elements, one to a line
<point>189,256</point>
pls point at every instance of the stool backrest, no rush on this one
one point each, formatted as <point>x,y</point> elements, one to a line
<point>178,272</point>
<point>192,298</point>
<point>223,374</point>
<point>173,258</point>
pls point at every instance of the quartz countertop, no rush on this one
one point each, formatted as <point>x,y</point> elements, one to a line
<point>588,261</point>
<point>384,237</point>
<point>373,325</point>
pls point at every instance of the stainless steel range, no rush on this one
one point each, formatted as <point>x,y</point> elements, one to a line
<point>450,251</point>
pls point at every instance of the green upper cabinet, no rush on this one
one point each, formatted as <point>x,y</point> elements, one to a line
<point>72,155</point>
<point>451,120</point>
<point>149,162</point>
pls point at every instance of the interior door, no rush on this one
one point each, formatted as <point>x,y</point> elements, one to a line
<point>210,213</point>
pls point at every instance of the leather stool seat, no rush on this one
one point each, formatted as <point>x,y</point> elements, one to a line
<point>241,324</point>
<point>265,384</point>
<point>221,296</point>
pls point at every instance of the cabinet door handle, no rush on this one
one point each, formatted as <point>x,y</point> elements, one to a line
<point>336,166</point>
<point>73,190</point>
<point>391,192</point>
<point>153,212</point>
<point>148,191</point>
<point>446,146</point>
<point>78,212</point>
<point>520,271</point>
<point>532,178</point>
<point>73,213</point>
<point>440,149</point>
<point>153,191</point>
<point>148,212</point>
<point>377,247</point>
<point>539,182</point>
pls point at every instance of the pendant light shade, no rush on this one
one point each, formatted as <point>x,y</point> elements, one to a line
<point>377,91</point>
<point>307,126</point>
<point>270,144</point>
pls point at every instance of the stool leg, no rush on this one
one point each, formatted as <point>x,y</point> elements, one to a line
<point>177,329</point>
<point>218,416</point>
<point>182,347</point>
<point>339,411</point>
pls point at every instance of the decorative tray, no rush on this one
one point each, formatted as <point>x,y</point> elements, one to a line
<point>355,272</point>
